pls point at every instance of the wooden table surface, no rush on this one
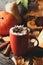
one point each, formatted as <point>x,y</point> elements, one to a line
<point>5,60</point>
<point>36,52</point>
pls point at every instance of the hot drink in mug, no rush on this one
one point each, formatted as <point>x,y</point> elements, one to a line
<point>19,36</point>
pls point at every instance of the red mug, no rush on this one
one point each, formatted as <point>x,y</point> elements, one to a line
<point>19,41</point>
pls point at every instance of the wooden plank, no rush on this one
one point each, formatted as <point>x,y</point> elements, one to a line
<point>5,60</point>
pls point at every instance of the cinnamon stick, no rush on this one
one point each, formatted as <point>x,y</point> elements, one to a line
<point>7,50</point>
<point>3,45</point>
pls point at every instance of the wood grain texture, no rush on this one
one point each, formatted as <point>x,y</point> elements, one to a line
<point>5,60</point>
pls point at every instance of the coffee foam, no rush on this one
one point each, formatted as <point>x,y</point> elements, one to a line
<point>24,32</point>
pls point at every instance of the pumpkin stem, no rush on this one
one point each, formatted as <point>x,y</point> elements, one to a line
<point>2,18</point>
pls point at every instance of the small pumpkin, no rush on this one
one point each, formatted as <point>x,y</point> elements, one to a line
<point>7,21</point>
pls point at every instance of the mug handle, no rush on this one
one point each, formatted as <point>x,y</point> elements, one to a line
<point>30,36</point>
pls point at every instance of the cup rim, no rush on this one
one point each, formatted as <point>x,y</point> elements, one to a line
<point>20,34</point>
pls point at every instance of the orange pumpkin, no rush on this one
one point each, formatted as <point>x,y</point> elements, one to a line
<point>7,21</point>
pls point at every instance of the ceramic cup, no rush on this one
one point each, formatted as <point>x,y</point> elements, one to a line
<point>19,36</point>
